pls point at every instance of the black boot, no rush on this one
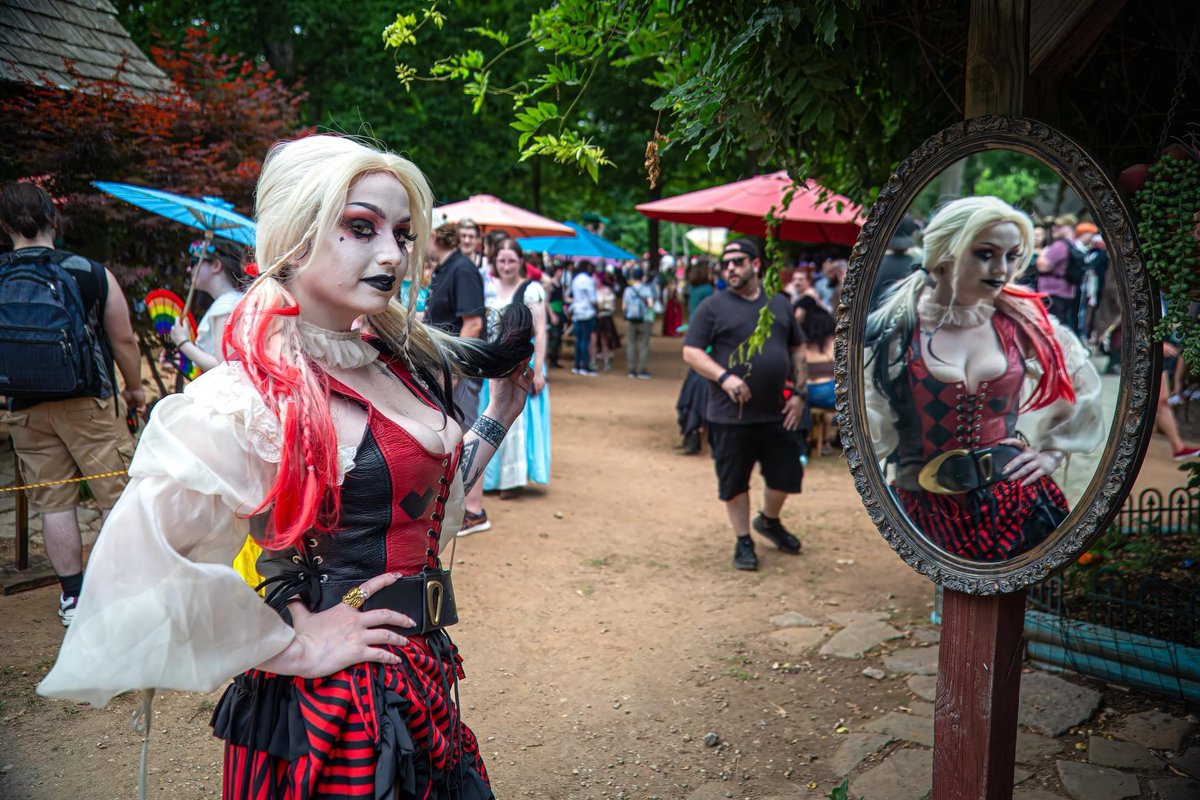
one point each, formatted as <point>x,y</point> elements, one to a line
<point>691,443</point>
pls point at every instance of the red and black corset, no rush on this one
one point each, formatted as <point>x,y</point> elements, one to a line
<point>994,522</point>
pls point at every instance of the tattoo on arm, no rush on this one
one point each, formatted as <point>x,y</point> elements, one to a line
<point>467,461</point>
<point>799,368</point>
<point>489,430</point>
<point>470,466</point>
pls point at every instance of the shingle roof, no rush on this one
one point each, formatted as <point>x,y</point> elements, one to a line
<point>36,35</point>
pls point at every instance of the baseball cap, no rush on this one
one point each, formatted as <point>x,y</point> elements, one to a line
<point>741,246</point>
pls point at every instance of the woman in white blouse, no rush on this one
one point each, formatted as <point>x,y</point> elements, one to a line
<point>309,430</point>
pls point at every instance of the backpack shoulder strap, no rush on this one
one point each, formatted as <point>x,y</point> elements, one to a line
<point>101,275</point>
<point>519,294</point>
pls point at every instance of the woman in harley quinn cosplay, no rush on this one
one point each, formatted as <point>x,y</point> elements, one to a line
<point>338,450</point>
<point>974,393</point>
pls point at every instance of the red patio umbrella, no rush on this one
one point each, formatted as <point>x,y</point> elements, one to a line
<point>492,213</point>
<point>742,204</point>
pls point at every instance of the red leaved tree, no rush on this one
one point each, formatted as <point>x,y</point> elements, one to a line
<point>207,136</point>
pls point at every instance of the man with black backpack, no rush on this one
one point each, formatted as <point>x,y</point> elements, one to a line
<point>63,321</point>
<point>1060,270</point>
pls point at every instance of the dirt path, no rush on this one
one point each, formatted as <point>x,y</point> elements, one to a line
<point>603,630</point>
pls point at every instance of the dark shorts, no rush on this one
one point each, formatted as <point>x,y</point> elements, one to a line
<point>736,448</point>
<point>466,397</point>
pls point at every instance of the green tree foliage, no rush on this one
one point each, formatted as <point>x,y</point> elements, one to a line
<point>821,87</point>
<point>1022,180</point>
<point>334,48</point>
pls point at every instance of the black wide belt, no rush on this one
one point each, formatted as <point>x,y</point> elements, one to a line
<point>961,471</point>
<point>427,597</point>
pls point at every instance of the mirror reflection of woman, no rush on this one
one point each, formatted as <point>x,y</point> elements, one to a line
<point>975,395</point>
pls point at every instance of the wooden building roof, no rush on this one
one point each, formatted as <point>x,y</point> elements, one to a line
<point>37,35</point>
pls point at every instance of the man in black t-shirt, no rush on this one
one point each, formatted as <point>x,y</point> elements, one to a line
<point>748,418</point>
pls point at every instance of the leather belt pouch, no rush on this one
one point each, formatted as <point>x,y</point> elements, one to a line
<point>427,597</point>
<point>976,469</point>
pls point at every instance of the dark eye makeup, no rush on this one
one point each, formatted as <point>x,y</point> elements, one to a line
<point>985,254</point>
<point>361,228</point>
<point>364,229</point>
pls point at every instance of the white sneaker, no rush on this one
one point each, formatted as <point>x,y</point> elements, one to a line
<point>66,609</point>
<point>474,523</point>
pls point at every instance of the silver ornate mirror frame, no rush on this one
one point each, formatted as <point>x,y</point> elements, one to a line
<point>1141,362</point>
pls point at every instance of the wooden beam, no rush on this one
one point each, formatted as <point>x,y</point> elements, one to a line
<point>1063,32</point>
<point>978,693</point>
<point>997,45</point>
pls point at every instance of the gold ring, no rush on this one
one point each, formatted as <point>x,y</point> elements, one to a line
<point>355,597</point>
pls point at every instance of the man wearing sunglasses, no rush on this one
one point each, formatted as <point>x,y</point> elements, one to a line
<point>749,421</point>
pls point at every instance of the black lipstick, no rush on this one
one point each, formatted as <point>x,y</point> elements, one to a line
<point>383,283</point>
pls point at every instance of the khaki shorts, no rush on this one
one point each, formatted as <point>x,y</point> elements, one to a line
<point>61,439</point>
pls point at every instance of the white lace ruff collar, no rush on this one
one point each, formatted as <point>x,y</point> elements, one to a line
<point>934,315</point>
<point>340,349</point>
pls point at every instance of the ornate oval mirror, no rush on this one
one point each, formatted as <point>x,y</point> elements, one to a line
<point>995,369</point>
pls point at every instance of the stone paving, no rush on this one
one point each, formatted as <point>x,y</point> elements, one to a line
<point>1146,754</point>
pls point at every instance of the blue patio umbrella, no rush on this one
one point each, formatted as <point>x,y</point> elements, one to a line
<point>584,244</point>
<point>212,215</point>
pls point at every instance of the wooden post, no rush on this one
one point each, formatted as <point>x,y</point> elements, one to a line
<point>979,686</point>
<point>22,516</point>
<point>979,666</point>
<point>22,575</point>
<point>997,57</point>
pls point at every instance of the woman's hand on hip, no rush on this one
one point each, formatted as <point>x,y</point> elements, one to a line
<point>340,637</point>
<point>1031,464</point>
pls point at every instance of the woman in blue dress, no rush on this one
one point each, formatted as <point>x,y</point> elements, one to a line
<point>524,456</point>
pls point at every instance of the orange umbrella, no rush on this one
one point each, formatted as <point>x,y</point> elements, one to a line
<point>492,213</point>
<point>742,204</point>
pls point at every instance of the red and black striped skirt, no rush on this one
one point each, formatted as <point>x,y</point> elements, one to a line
<point>371,731</point>
<point>993,523</point>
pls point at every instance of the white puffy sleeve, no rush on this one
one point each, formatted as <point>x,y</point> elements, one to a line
<point>161,606</point>
<point>881,417</point>
<point>535,295</point>
<point>1070,427</point>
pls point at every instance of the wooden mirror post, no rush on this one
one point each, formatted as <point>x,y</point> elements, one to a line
<point>979,663</point>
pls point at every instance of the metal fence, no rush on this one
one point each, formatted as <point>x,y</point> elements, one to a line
<point>1149,512</point>
<point>1149,606</point>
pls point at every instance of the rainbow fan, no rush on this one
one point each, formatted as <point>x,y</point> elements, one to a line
<point>165,308</point>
